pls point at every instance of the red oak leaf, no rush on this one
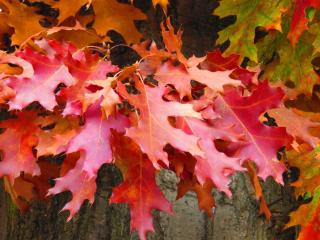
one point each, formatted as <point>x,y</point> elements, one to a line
<point>16,144</point>
<point>296,123</point>
<point>53,48</point>
<point>109,97</point>
<point>49,72</point>
<point>93,139</point>
<point>79,184</point>
<point>152,56</point>
<point>180,77</point>
<point>92,142</point>
<point>154,131</point>
<point>214,80</point>
<point>173,44</point>
<point>139,188</point>
<point>85,68</point>
<point>261,142</point>
<point>299,22</point>
<point>216,165</point>
<point>216,62</point>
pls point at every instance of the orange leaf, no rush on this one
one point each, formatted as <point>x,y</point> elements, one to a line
<point>15,14</point>
<point>112,15</point>
<point>162,3</point>
<point>258,189</point>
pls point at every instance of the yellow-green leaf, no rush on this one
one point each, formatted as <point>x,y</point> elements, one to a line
<point>250,15</point>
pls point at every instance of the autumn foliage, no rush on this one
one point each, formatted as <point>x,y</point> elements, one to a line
<point>204,118</point>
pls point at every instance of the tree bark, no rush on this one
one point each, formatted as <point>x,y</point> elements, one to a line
<point>234,219</point>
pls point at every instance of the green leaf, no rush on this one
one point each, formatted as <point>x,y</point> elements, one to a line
<point>250,15</point>
<point>292,64</point>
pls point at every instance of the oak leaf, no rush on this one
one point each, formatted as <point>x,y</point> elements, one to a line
<point>76,33</point>
<point>180,77</point>
<point>173,40</point>
<point>112,15</point>
<point>153,130</point>
<point>203,191</point>
<point>15,14</point>
<point>16,144</point>
<point>296,124</point>
<point>215,165</point>
<point>109,97</point>
<point>48,74</point>
<point>24,68</point>
<point>6,93</point>
<point>307,159</point>
<point>287,67</point>
<point>215,61</point>
<point>250,15</point>
<point>307,216</point>
<point>264,209</point>
<point>55,140</point>
<point>93,145</point>
<point>21,192</point>
<point>84,69</point>
<point>67,8</point>
<point>79,184</point>
<point>139,188</point>
<point>93,139</point>
<point>261,142</point>
<point>299,22</point>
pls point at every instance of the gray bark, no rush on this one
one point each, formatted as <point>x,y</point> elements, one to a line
<point>233,219</point>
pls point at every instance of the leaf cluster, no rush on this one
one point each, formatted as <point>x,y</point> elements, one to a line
<point>69,109</point>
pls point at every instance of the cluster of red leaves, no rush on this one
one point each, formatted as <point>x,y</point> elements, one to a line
<point>197,116</point>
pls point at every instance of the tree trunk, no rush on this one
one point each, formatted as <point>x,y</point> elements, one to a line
<point>234,219</point>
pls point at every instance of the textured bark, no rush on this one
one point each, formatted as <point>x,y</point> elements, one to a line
<point>234,219</point>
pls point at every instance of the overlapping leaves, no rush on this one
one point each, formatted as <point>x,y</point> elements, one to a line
<point>63,83</point>
<point>288,51</point>
<point>199,117</point>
